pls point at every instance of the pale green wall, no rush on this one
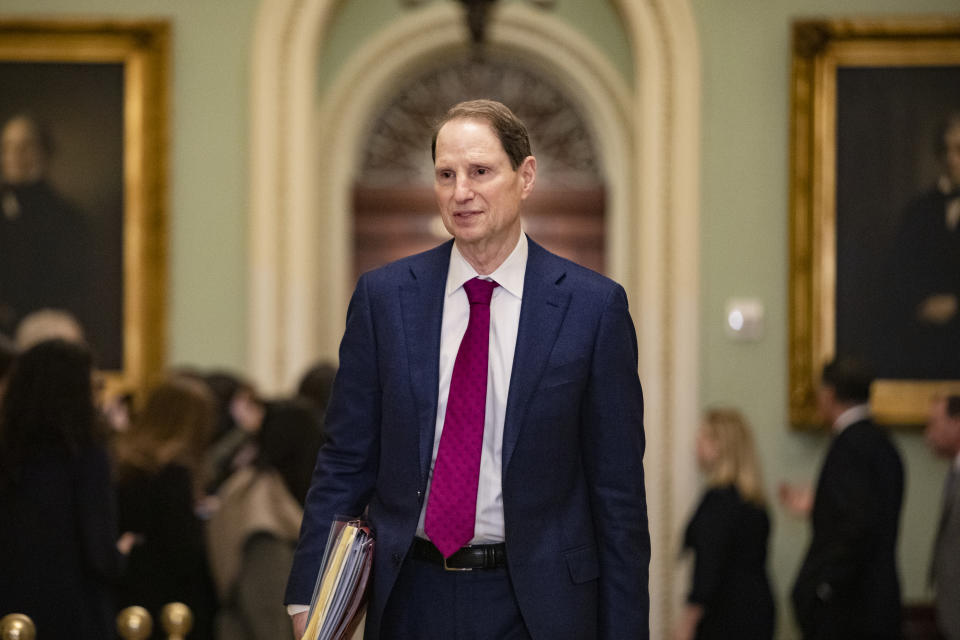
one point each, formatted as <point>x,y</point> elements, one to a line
<point>745,60</point>
<point>744,240</point>
<point>354,21</point>
<point>208,164</point>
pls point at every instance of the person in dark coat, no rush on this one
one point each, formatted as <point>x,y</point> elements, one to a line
<point>730,596</point>
<point>848,587</point>
<point>943,437</point>
<point>158,488</point>
<point>58,528</point>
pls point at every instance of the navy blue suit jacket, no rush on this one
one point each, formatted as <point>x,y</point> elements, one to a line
<point>574,502</point>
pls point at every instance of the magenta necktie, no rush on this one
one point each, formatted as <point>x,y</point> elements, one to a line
<point>452,506</point>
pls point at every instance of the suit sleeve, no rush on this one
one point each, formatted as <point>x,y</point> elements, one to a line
<point>346,469</point>
<point>613,446</point>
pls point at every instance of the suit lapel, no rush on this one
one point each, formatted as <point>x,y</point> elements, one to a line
<point>541,314</point>
<point>421,301</point>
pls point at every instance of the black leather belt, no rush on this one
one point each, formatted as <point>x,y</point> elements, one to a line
<point>477,556</point>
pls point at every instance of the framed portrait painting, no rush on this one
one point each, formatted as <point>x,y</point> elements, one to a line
<point>83,196</point>
<point>875,209</point>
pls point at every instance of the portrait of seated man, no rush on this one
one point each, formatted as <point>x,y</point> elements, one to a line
<point>45,244</point>
<point>923,298</point>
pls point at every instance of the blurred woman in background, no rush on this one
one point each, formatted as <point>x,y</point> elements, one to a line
<point>252,536</point>
<point>159,485</point>
<point>58,526</point>
<point>730,596</point>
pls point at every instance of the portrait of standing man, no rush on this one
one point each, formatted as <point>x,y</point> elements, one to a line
<point>488,416</point>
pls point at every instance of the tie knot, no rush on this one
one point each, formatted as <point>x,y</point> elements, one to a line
<point>479,291</point>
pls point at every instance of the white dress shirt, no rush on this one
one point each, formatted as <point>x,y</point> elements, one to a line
<point>855,413</point>
<point>504,322</point>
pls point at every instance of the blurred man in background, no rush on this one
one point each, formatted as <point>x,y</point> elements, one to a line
<point>943,437</point>
<point>848,587</point>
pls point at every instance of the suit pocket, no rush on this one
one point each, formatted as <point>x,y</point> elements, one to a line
<point>583,564</point>
<point>563,373</point>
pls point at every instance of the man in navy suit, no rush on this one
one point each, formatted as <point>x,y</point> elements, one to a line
<point>559,545</point>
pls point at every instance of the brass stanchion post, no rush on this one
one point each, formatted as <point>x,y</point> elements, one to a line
<point>177,620</point>
<point>17,626</point>
<point>134,623</point>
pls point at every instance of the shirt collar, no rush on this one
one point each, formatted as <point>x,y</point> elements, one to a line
<point>508,275</point>
<point>855,413</point>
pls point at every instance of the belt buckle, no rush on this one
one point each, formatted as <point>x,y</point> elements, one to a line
<point>448,568</point>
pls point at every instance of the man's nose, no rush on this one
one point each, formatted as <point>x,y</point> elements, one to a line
<point>463,190</point>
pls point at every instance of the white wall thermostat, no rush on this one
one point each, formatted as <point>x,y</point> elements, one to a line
<point>744,319</point>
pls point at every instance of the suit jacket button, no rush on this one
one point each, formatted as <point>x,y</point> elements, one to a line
<point>397,559</point>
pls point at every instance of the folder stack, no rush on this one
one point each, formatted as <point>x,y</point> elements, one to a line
<point>339,596</point>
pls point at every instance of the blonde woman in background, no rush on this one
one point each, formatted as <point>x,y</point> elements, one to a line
<point>730,596</point>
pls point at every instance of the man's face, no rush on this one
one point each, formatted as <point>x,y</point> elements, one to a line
<point>943,432</point>
<point>951,156</point>
<point>477,191</point>
<point>22,157</point>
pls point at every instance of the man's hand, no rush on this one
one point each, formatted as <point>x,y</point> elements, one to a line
<point>797,500</point>
<point>689,620</point>
<point>300,624</point>
<point>128,541</point>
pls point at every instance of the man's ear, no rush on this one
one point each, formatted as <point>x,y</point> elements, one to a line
<point>528,175</point>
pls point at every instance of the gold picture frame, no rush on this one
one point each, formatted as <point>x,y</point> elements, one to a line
<point>832,60</point>
<point>128,62</point>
